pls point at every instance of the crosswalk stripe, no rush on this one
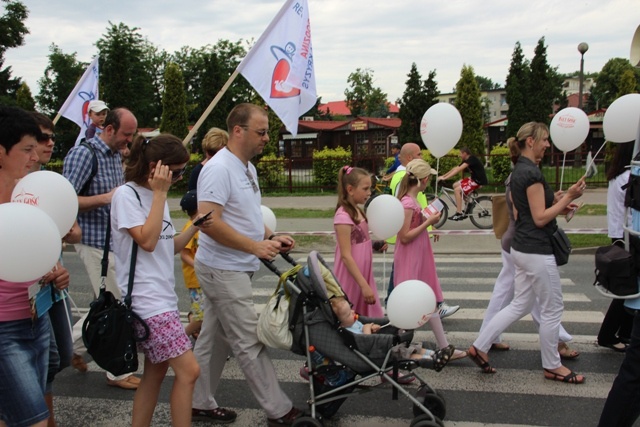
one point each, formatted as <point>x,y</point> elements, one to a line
<point>485,296</point>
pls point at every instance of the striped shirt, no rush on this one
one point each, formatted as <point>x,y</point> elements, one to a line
<point>77,169</point>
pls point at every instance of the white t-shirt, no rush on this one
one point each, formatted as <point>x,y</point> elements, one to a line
<point>154,284</point>
<point>224,180</point>
<point>615,205</point>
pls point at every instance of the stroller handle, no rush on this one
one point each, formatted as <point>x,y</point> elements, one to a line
<point>271,266</point>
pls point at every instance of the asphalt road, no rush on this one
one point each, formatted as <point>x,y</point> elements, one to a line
<point>516,396</point>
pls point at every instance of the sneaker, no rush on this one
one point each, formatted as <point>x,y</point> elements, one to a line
<point>445,310</point>
<point>457,217</point>
<point>218,415</point>
<point>287,419</point>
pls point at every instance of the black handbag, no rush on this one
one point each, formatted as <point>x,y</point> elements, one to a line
<point>561,246</point>
<point>616,270</point>
<point>108,332</point>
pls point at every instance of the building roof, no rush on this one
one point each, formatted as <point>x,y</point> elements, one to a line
<point>340,108</point>
<point>317,125</point>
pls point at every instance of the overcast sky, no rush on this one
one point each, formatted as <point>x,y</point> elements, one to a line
<point>383,35</point>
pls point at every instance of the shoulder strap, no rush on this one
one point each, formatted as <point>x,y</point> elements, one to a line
<point>94,166</point>
<point>132,264</point>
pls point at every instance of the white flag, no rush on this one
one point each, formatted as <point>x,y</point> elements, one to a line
<point>76,105</point>
<point>280,65</point>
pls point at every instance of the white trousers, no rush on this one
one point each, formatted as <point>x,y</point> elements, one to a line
<point>503,294</point>
<point>536,277</point>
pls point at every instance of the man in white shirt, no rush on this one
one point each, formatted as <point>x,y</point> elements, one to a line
<point>229,253</point>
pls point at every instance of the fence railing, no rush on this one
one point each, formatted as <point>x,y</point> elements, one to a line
<point>297,175</point>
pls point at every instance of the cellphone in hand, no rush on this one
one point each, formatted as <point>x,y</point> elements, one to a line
<point>202,219</point>
<point>572,212</point>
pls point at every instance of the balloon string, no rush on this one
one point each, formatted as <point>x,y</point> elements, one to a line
<point>562,173</point>
<point>384,272</point>
<point>438,172</point>
<point>593,159</point>
<point>384,326</point>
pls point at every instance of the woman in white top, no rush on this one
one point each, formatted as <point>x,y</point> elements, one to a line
<point>139,212</point>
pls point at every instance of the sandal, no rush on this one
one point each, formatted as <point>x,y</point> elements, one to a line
<point>480,361</point>
<point>619,347</point>
<point>571,378</point>
<point>441,357</point>
<point>566,352</point>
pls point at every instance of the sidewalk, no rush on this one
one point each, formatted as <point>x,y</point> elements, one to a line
<point>472,244</point>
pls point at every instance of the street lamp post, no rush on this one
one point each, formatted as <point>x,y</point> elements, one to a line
<point>582,48</point>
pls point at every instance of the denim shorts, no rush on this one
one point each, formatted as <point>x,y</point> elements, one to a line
<point>24,357</point>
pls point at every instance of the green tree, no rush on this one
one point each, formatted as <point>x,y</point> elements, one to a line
<point>362,97</point>
<point>60,77</point>
<point>24,99</point>
<point>125,72</point>
<point>12,32</point>
<point>544,86</point>
<point>607,84</point>
<point>516,88</point>
<point>485,83</point>
<point>468,104</point>
<point>418,96</point>
<point>627,83</point>
<point>174,105</point>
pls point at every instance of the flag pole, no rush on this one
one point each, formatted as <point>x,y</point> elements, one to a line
<point>55,120</point>
<point>206,112</point>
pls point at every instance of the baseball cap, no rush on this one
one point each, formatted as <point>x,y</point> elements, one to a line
<point>189,202</point>
<point>96,106</point>
<point>420,169</point>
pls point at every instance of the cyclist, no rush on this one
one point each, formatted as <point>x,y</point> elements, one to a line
<point>395,152</point>
<point>477,179</point>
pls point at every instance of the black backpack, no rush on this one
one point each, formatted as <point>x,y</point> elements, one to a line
<point>617,270</point>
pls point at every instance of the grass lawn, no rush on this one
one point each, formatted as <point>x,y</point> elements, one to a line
<point>588,240</point>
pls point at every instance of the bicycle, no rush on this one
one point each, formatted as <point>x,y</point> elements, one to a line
<point>381,187</point>
<point>477,208</point>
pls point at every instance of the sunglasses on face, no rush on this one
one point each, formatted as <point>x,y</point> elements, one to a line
<point>45,137</point>
<point>261,133</point>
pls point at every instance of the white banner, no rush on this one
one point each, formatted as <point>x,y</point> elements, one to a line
<point>76,105</point>
<point>280,66</point>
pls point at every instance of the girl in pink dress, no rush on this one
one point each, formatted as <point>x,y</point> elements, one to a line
<point>353,265</point>
<point>413,257</point>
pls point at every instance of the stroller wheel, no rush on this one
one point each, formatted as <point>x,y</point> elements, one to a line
<point>433,401</point>
<point>307,422</point>
<point>425,420</point>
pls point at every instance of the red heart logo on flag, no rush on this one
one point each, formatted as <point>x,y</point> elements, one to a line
<point>280,73</point>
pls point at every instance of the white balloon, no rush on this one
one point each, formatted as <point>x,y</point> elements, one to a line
<point>622,118</point>
<point>269,218</point>
<point>52,193</point>
<point>385,216</point>
<point>569,128</point>
<point>30,243</point>
<point>440,128</point>
<point>411,304</point>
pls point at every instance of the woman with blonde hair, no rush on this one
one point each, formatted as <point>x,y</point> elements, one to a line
<point>536,276</point>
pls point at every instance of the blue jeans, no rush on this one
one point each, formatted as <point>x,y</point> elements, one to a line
<point>622,407</point>
<point>24,357</point>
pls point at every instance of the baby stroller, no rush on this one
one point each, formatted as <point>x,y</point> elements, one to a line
<point>315,328</point>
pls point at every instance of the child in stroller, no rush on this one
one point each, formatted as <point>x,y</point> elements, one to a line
<point>349,320</point>
<point>329,347</point>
